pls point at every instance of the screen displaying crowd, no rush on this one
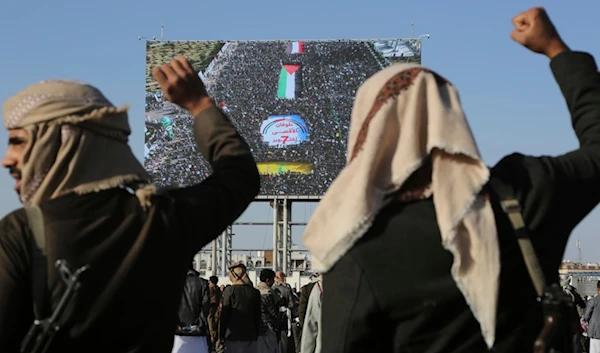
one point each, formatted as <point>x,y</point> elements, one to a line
<point>291,100</point>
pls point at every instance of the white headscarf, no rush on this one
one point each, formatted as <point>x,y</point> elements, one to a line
<point>402,116</point>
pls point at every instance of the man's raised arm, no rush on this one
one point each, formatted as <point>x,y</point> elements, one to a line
<point>567,185</point>
<point>220,199</point>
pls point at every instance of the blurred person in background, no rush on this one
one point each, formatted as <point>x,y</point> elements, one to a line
<point>311,330</point>
<point>421,202</point>
<point>285,290</point>
<point>192,329</point>
<point>305,291</point>
<point>241,313</point>
<point>213,315</point>
<point>592,318</point>
<point>91,206</point>
<point>290,308</point>
<point>577,312</point>
<point>271,318</point>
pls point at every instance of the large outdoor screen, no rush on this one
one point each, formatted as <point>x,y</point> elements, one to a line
<point>291,100</point>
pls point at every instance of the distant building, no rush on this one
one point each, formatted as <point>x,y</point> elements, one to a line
<point>584,277</point>
<point>256,259</point>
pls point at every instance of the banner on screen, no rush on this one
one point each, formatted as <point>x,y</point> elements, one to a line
<point>284,130</point>
<point>290,100</point>
<point>274,168</point>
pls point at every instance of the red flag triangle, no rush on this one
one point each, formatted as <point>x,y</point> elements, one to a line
<point>291,68</point>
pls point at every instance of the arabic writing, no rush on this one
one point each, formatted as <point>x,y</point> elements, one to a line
<point>286,131</point>
<point>282,131</point>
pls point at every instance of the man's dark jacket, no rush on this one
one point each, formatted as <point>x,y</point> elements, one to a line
<point>195,303</point>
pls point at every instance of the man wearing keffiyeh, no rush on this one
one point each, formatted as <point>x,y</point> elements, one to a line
<point>422,214</point>
<point>69,155</point>
<point>65,136</point>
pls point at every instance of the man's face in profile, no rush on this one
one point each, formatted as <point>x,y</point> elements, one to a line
<point>13,159</point>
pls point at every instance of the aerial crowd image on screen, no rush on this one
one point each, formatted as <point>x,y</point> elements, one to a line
<point>290,100</point>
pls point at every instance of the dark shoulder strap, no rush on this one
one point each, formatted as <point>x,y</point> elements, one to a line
<point>512,208</point>
<point>39,265</point>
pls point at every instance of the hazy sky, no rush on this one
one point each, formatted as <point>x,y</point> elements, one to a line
<point>509,94</point>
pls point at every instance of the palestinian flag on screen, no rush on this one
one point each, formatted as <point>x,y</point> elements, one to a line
<point>290,82</point>
<point>295,48</point>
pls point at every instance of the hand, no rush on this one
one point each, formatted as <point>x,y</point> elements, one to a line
<point>182,86</point>
<point>535,31</point>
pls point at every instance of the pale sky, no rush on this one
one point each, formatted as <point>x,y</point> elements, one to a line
<point>509,94</point>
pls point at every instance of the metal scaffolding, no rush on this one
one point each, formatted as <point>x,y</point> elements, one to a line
<point>221,252</point>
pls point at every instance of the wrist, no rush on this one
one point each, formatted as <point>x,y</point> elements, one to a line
<point>199,105</point>
<point>556,48</point>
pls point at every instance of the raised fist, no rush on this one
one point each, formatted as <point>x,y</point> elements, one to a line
<point>182,86</point>
<point>535,31</point>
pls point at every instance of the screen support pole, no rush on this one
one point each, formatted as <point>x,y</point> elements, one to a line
<point>213,257</point>
<point>224,253</point>
<point>285,249</point>
<point>274,261</point>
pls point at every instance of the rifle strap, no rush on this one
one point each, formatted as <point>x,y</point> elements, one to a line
<point>512,208</point>
<point>39,264</point>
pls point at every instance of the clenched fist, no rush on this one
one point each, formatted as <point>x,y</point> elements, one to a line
<point>182,86</point>
<point>535,31</point>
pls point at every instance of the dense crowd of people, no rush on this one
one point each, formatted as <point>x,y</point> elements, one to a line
<point>245,80</point>
<point>267,317</point>
<point>173,161</point>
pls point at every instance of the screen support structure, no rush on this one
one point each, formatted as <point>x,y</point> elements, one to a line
<point>282,207</point>
<point>282,234</point>
<point>221,250</point>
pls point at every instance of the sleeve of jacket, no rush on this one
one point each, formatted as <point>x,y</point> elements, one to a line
<point>302,305</point>
<point>290,298</point>
<point>294,303</point>
<point>225,313</point>
<point>16,312</point>
<point>220,199</point>
<point>589,310</point>
<point>271,309</point>
<point>565,187</point>
<point>310,329</point>
<point>257,312</point>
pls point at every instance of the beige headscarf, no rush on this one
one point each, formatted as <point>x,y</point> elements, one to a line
<point>402,116</point>
<point>78,142</point>
<point>238,275</point>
